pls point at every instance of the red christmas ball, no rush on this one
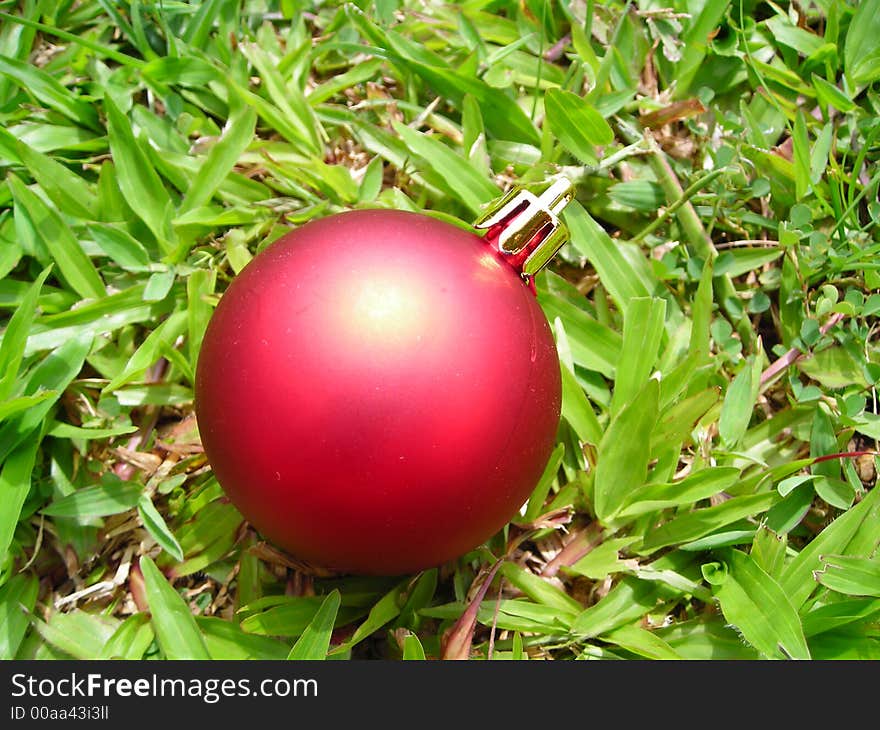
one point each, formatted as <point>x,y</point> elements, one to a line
<point>378,392</point>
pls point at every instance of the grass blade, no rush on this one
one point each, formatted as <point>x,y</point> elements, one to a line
<point>739,402</point>
<point>14,340</point>
<point>70,193</point>
<point>80,635</point>
<point>503,117</point>
<point>702,522</point>
<point>756,605</point>
<point>701,485</point>
<point>540,591</point>
<point>176,629</point>
<point>801,156</point>
<point>73,263</point>
<point>13,406</point>
<point>199,286</point>
<point>220,160</point>
<point>578,411</point>
<point>678,421</point>
<point>112,497</point>
<point>54,373</point>
<point>103,316</point>
<point>62,430</point>
<point>625,603</point>
<point>200,25</point>
<point>797,578</point>
<point>17,598</point>
<point>625,276</point>
<point>150,350</point>
<point>695,42</point>
<point>461,179</point>
<point>293,617</point>
<point>315,640</point>
<point>15,483</point>
<point>227,641</point>
<point>642,333</point>
<point>386,609</point>
<point>412,648</point>
<point>622,462</point>
<point>363,71</point>
<point>74,38</point>
<point>122,247</point>
<point>155,525</point>
<point>130,640</point>
<point>576,124</point>
<point>831,616</point>
<point>829,94</point>
<point>49,91</point>
<point>594,346</point>
<point>850,575</point>
<point>287,99</point>
<point>641,642</point>
<point>861,56</point>
<point>139,182</point>
<point>182,70</point>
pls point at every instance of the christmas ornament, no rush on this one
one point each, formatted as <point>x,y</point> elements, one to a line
<point>378,391</point>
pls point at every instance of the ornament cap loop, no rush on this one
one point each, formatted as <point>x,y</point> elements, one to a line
<point>526,228</point>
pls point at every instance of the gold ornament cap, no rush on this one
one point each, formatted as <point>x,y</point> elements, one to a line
<point>526,228</point>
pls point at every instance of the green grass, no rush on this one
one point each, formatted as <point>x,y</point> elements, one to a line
<point>711,494</point>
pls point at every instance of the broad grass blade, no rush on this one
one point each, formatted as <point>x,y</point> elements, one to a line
<point>756,605</point>
<point>642,333</point>
<point>624,276</point>
<point>626,602</point>
<point>315,640</point>
<point>225,640</point>
<point>539,590</point>
<point>73,263</point>
<point>49,91</point>
<point>701,485</point>
<point>150,350</point>
<point>176,629</point>
<point>199,286</point>
<point>641,642</point>
<point>139,182</point>
<point>861,56</point>
<point>578,411</point>
<point>131,640</point>
<point>54,373</point>
<point>18,596</point>
<point>386,609</point>
<point>155,525</point>
<point>622,462</point>
<point>576,124</point>
<point>14,340</point>
<point>220,160</point>
<point>70,193</point>
<point>739,402</point>
<point>693,525</point>
<point>850,575</point>
<point>863,518</point>
<point>101,500</point>
<point>79,634</point>
<point>461,179</point>
<point>412,648</point>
